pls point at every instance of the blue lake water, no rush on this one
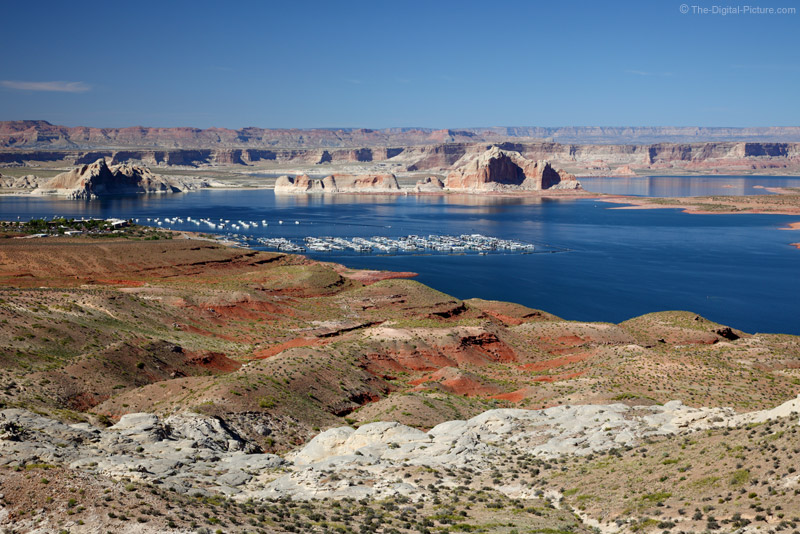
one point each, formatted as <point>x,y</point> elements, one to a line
<point>734,269</point>
<point>687,186</point>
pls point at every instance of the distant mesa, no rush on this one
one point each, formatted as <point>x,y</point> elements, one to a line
<point>42,134</point>
<point>98,179</point>
<point>338,183</point>
<point>497,169</point>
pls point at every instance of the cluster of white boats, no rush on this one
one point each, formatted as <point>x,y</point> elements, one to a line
<point>390,245</point>
<point>218,224</point>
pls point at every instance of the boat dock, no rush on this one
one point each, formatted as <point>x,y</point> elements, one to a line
<point>447,244</point>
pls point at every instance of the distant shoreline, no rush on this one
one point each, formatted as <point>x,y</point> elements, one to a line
<point>784,202</point>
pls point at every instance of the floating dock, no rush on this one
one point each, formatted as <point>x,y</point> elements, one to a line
<point>446,244</point>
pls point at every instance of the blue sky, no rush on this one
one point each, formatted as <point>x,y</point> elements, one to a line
<point>380,64</point>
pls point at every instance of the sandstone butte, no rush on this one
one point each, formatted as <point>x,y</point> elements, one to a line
<point>497,169</point>
<point>624,170</point>
<point>98,179</point>
<point>493,169</point>
<point>430,184</point>
<point>338,183</point>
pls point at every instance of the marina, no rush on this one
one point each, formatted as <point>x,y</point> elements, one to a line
<point>446,244</point>
<point>230,232</point>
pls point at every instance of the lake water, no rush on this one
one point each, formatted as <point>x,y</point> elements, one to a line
<point>687,186</point>
<point>734,269</point>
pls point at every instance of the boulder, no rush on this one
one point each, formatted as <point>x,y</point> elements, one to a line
<point>141,427</point>
<point>207,432</point>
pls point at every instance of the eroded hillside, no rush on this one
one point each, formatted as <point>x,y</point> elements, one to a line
<point>117,326</point>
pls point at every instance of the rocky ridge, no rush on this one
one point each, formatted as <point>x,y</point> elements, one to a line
<point>39,133</point>
<point>581,159</point>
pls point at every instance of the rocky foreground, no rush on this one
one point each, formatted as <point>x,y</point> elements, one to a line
<point>198,458</point>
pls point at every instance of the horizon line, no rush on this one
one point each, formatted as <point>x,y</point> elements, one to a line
<point>429,128</point>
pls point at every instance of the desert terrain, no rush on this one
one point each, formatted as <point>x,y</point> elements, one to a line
<point>162,381</point>
<point>167,382</point>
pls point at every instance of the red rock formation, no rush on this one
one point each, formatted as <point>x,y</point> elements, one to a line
<point>497,169</point>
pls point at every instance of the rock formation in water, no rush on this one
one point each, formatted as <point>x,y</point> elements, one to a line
<point>431,184</point>
<point>98,179</point>
<point>624,170</point>
<point>338,183</point>
<point>497,169</point>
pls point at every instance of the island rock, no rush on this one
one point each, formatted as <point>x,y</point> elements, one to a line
<point>497,169</point>
<point>431,184</point>
<point>98,179</point>
<point>338,183</point>
<point>624,170</point>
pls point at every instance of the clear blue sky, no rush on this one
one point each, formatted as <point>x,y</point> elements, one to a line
<point>379,64</point>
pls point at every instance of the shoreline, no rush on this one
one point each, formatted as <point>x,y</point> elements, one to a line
<point>729,205</point>
<point>735,206</point>
<point>543,193</point>
<point>582,193</point>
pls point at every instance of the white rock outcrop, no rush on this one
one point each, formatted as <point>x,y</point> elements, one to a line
<point>197,453</point>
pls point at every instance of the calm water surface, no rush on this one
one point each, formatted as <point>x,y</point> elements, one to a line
<point>688,186</point>
<point>734,269</point>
